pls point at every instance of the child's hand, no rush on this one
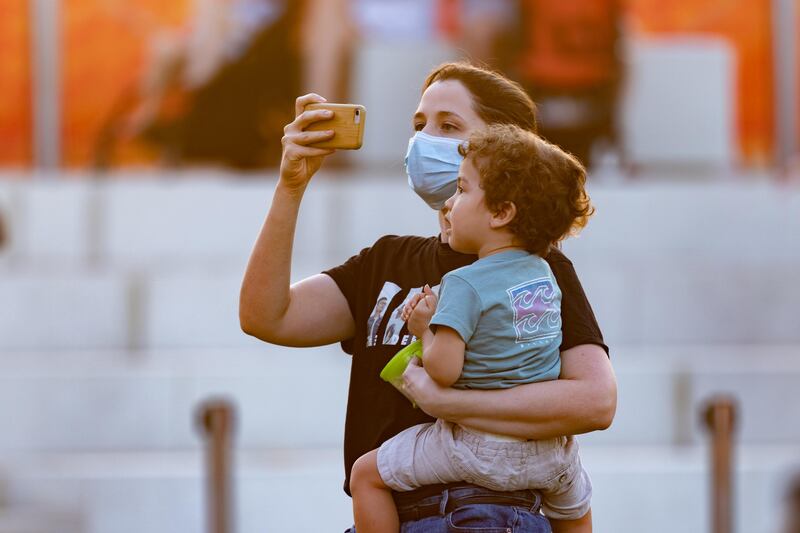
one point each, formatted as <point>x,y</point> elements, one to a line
<point>408,308</point>
<point>422,312</point>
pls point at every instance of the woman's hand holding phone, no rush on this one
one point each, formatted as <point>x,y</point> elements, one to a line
<point>299,160</point>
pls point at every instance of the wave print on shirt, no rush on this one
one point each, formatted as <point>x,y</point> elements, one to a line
<point>537,315</point>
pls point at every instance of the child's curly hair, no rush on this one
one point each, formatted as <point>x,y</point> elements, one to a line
<point>545,184</point>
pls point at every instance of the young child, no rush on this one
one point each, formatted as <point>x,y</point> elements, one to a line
<point>497,325</point>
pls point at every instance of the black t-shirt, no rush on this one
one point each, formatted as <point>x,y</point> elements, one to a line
<point>376,283</point>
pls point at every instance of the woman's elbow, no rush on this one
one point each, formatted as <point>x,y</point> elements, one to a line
<point>605,406</point>
<point>251,323</point>
<point>247,323</point>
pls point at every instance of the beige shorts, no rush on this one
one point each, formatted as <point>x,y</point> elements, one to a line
<point>444,452</point>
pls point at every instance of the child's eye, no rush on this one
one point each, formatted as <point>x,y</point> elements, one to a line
<point>418,126</point>
<point>459,188</point>
<point>448,127</point>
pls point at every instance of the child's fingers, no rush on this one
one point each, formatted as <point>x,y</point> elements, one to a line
<point>412,303</point>
<point>424,308</point>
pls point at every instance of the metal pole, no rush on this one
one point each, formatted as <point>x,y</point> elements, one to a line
<point>46,83</point>
<point>720,419</point>
<point>784,16</point>
<point>216,421</point>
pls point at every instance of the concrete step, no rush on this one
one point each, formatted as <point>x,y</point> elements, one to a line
<point>152,264</point>
<point>62,309</point>
<point>40,520</point>
<point>146,400</point>
<point>107,400</point>
<point>184,218</point>
<point>687,300</point>
<point>635,488</point>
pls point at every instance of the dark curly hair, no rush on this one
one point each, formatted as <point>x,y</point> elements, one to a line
<point>545,183</point>
<point>496,99</point>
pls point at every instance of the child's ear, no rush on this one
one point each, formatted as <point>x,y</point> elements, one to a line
<point>504,215</point>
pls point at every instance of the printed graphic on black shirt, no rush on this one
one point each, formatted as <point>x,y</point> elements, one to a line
<point>388,292</point>
<point>395,324</point>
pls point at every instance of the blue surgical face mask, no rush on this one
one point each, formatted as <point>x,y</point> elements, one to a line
<point>432,167</point>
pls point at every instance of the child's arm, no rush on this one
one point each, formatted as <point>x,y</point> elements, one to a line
<point>443,351</point>
<point>443,355</point>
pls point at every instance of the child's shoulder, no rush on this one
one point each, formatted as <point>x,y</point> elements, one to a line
<point>466,273</point>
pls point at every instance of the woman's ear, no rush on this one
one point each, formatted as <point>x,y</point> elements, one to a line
<point>504,215</point>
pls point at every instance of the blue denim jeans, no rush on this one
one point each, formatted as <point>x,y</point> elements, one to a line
<point>511,512</point>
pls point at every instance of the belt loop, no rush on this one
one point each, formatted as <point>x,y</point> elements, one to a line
<point>537,501</point>
<point>443,502</point>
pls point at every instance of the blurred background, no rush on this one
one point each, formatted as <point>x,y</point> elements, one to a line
<point>138,148</point>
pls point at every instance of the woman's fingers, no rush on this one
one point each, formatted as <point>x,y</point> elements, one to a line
<point>296,152</point>
<point>307,118</point>
<point>302,101</point>
<point>307,137</point>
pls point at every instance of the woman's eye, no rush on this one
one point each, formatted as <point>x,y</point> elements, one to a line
<point>418,126</point>
<point>459,189</point>
<point>448,127</point>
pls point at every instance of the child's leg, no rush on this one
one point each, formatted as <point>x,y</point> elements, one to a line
<point>373,506</point>
<point>581,525</point>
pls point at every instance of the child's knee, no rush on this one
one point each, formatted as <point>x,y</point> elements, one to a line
<point>365,472</point>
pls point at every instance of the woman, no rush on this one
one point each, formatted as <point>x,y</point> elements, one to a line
<point>336,306</point>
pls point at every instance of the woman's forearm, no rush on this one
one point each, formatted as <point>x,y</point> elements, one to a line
<point>264,296</point>
<point>582,400</point>
<point>313,311</point>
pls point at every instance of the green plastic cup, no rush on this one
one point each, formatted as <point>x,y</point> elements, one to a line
<point>393,371</point>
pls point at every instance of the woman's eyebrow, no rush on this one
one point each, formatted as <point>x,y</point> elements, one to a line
<point>419,115</point>
<point>447,114</point>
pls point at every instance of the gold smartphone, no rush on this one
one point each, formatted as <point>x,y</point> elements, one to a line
<point>347,124</point>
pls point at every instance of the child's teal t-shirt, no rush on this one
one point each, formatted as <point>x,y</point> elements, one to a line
<point>507,309</point>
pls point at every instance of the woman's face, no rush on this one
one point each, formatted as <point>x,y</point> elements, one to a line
<point>446,110</point>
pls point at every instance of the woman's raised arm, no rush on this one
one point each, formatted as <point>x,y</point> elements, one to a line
<point>583,399</point>
<point>311,312</point>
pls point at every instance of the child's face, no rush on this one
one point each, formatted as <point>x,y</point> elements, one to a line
<point>468,219</point>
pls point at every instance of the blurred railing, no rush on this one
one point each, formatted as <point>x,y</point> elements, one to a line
<point>720,419</point>
<point>216,422</point>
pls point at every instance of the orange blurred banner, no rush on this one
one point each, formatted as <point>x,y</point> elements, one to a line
<point>105,45</point>
<point>15,84</point>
